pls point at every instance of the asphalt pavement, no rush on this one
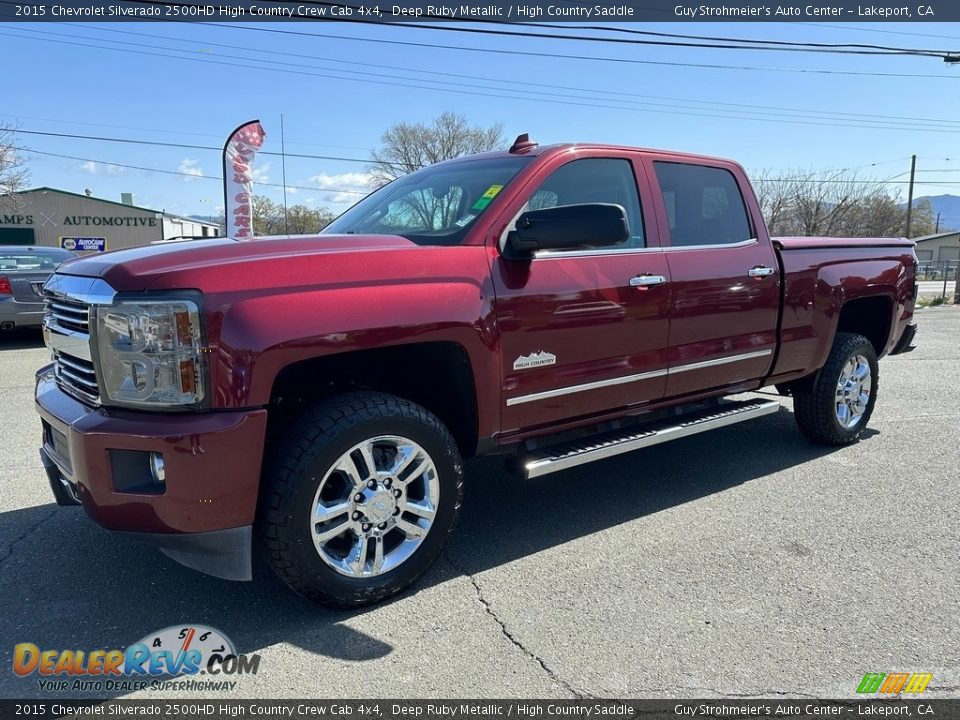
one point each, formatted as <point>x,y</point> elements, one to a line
<point>742,562</point>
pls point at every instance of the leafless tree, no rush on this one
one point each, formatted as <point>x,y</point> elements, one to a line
<point>13,175</point>
<point>834,203</point>
<point>406,147</point>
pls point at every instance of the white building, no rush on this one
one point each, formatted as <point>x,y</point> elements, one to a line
<point>57,218</point>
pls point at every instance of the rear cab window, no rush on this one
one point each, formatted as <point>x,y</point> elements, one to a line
<point>704,205</point>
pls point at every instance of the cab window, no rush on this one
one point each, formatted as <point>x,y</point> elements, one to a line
<point>704,205</point>
<point>594,180</point>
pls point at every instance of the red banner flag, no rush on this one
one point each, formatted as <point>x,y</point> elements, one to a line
<point>238,156</point>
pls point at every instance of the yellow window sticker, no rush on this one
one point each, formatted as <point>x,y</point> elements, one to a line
<point>487,197</point>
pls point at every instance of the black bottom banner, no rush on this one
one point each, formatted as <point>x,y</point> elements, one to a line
<point>479,709</point>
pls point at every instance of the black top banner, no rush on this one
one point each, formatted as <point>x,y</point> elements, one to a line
<point>480,11</point>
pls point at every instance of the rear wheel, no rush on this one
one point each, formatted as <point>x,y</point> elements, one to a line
<point>359,498</point>
<point>836,408</point>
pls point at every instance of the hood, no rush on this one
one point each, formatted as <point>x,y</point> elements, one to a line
<point>143,268</point>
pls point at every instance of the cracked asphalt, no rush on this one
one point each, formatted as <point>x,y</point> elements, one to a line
<point>743,562</point>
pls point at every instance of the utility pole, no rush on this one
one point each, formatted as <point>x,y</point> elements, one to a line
<point>913,171</point>
<point>937,228</point>
<point>283,164</point>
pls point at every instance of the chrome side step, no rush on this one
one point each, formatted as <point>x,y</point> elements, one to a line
<point>567,455</point>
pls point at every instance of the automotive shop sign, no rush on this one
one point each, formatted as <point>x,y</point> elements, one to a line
<point>84,244</point>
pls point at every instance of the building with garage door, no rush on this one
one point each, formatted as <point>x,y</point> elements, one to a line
<point>940,247</point>
<point>57,218</point>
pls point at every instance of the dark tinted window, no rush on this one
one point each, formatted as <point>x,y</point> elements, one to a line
<point>594,180</point>
<point>704,205</point>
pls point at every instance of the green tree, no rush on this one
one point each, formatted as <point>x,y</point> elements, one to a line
<point>303,220</point>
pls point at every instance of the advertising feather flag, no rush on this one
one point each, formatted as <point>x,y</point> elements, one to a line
<point>238,156</point>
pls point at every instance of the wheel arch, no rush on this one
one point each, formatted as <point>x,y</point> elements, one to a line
<point>436,375</point>
<point>871,317</point>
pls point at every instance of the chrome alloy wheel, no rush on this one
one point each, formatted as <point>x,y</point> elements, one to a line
<point>853,391</point>
<point>375,506</point>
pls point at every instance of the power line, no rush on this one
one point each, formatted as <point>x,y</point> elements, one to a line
<point>863,123</point>
<point>180,173</point>
<point>860,28</point>
<point>166,131</point>
<point>841,181</point>
<point>887,181</point>
<point>911,52</point>
<point>792,110</point>
<point>566,56</point>
<point>157,143</point>
<point>651,33</point>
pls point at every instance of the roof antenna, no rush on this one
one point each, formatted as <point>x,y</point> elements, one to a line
<point>523,143</point>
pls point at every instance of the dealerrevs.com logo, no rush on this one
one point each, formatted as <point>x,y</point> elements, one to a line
<point>154,661</point>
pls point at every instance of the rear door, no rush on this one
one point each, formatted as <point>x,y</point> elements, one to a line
<point>582,332</point>
<point>725,282</point>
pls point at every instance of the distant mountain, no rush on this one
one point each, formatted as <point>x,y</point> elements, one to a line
<point>949,208</point>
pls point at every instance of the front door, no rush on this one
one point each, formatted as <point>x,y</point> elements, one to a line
<point>583,332</point>
<point>725,281</point>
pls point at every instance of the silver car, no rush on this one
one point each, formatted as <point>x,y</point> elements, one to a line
<point>23,271</point>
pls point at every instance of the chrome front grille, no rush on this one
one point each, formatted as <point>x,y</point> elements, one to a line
<point>77,376</point>
<point>66,326</point>
<point>69,315</point>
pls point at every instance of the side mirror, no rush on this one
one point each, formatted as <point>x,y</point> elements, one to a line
<point>567,227</point>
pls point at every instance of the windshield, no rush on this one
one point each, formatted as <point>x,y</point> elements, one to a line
<point>433,206</point>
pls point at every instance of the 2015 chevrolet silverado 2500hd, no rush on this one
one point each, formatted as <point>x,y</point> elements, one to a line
<point>561,304</point>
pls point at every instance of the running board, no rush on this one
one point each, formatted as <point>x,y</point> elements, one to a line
<point>567,455</point>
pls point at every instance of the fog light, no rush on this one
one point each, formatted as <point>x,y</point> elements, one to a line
<point>156,468</point>
<point>138,472</point>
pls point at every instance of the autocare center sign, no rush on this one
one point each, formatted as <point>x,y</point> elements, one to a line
<point>85,244</point>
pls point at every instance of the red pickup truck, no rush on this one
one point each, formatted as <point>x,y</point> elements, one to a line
<point>558,305</point>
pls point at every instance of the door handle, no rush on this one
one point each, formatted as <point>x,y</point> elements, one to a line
<point>647,280</point>
<point>760,271</point>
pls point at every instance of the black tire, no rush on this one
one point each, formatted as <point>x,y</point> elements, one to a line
<point>815,409</point>
<point>295,470</point>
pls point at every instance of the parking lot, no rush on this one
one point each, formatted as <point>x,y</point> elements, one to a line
<point>742,562</point>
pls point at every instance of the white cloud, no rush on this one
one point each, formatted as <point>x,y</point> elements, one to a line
<point>95,168</point>
<point>344,188</point>
<point>259,174</point>
<point>191,168</point>
<point>349,181</point>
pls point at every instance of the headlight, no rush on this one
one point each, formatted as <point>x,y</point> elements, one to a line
<point>150,353</point>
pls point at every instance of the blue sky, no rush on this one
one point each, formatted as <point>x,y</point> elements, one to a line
<point>338,95</point>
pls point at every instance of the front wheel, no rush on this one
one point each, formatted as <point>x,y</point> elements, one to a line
<point>359,498</point>
<point>836,409</point>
